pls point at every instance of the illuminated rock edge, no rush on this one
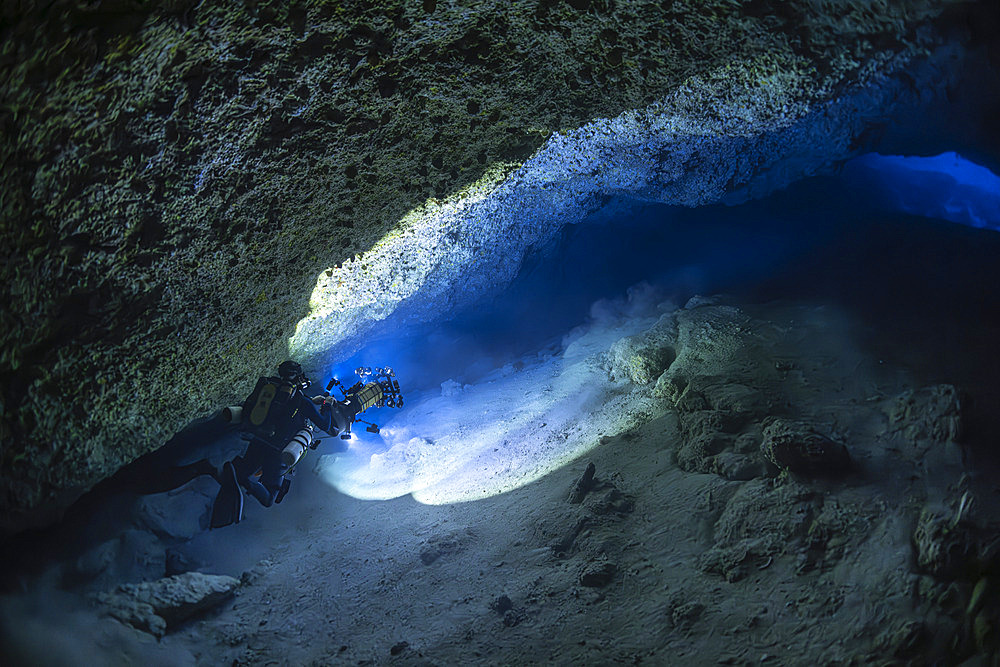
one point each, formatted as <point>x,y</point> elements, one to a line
<point>704,143</point>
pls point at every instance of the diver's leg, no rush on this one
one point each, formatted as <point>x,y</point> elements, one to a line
<point>247,467</point>
<point>271,476</point>
<point>228,506</point>
<point>258,491</point>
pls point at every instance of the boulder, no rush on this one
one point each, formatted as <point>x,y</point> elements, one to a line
<point>157,606</point>
<point>760,521</point>
<point>178,514</point>
<point>583,485</point>
<point>92,563</point>
<point>706,435</point>
<point>737,467</point>
<point>710,340</point>
<point>642,358</point>
<point>795,446</point>
<point>697,452</point>
<point>736,398</point>
<point>723,357</point>
<point>945,545</point>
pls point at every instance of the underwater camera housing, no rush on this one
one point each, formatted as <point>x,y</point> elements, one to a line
<point>376,388</point>
<point>386,378</point>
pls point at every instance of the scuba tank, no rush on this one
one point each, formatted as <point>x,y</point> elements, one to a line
<point>296,448</point>
<point>233,414</point>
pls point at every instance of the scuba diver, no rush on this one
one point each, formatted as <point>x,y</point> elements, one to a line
<point>279,422</point>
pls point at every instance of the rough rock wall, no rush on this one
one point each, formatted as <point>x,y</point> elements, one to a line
<point>176,176</point>
<point>735,133</point>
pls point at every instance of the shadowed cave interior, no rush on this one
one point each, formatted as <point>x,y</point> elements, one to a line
<point>857,307</point>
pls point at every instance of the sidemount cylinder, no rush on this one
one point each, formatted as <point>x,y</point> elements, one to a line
<point>294,450</point>
<point>233,414</point>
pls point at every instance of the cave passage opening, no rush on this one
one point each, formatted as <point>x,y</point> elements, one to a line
<point>498,389</point>
<point>877,241</point>
<point>505,373</point>
<point>759,249</point>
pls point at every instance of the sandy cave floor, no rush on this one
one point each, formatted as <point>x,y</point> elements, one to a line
<point>435,577</point>
<point>657,564</point>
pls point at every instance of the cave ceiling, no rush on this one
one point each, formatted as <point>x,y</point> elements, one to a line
<point>191,193</point>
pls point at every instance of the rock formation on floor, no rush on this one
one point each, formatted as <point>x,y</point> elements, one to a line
<point>159,605</point>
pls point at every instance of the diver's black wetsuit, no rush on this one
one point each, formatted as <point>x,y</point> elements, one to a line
<point>285,415</point>
<point>270,418</point>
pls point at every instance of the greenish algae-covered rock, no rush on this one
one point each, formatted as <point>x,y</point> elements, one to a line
<point>177,175</point>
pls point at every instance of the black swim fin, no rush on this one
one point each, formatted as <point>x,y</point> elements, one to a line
<point>285,485</point>
<point>228,507</point>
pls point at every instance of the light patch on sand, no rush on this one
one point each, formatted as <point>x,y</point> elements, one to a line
<point>509,430</point>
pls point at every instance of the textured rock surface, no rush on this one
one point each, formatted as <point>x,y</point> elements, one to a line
<point>930,413</point>
<point>176,179</point>
<point>180,514</point>
<point>158,605</point>
<point>797,447</point>
<point>759,521</point>
<point>717,346</point>
<point>643,357</point>
<point>945,546</point>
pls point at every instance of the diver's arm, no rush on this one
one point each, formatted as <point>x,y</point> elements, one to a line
<point>331,415</point>
<point>321,416</point>
<point>342,413</point>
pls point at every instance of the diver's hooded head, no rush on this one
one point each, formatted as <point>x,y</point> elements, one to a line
<point>291,372</point>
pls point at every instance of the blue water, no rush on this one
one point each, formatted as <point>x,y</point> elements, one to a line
<point>944,187</point>
<point>882,228</point>
<point>878,240</point>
